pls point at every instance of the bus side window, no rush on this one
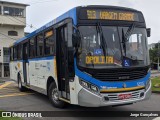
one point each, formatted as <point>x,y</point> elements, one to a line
<point>32,48</point>
<point>49,42</point>
<point>40,44</point>
<point>19,51</point>
<point>15,52</point>
<point>11,53</point>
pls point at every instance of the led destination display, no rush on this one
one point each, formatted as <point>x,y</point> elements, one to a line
<point>101,14</point>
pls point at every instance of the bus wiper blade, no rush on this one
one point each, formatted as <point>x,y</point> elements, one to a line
<point>129,32</point>
<point>130,58</point>
<point>125,37</point>
<point>102,39</point>
<point>134,58</point>
<point>123,42</point>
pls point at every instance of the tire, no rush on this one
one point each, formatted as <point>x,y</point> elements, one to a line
<point>53,96</point>
<point>20,86</point>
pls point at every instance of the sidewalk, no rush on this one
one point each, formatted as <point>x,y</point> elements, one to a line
<point>154,72</point>
<point>3,80</point>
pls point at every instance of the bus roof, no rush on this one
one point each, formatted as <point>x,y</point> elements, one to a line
<point>72,14</point>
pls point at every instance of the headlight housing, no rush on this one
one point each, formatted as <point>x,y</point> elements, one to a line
<point>84,84</point>
<point>88,86</point>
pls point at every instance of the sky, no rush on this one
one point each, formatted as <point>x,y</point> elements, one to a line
<point>41,12</point>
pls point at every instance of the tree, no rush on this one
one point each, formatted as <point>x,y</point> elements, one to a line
<point>154,53</point>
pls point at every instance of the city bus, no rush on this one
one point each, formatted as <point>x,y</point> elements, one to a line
<point>90,56</point>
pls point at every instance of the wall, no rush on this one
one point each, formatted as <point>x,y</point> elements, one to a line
<point>12,20</point>
<point>7,42</point>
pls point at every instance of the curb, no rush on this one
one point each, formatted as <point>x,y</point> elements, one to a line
<point>155,76</point>
<point>2,82</point>
<point>158,92</point>
<point>5,84</point>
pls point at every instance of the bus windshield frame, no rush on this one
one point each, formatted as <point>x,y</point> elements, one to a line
<point>132,53</point>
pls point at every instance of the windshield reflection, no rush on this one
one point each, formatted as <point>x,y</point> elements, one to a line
<point>136,47</point>
<point>91,53</point>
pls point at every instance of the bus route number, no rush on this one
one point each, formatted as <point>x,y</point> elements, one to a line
<point>91,14</point>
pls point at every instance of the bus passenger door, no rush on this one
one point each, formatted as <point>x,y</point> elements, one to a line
<point>63,32</point>
<point>25,63</point>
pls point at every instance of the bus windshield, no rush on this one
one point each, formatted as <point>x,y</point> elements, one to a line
<point>117,53</point>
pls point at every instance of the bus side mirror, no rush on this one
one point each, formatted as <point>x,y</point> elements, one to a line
<point>148,32</point>
<point>75,40</point>
<point>71,70</point>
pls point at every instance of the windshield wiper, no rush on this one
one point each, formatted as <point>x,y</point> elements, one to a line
<point>129,32</point>
<point>103,44</point>
<point>125,37</point>
<point>123,42</point>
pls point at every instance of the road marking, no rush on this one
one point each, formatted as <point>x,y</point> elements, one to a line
<point>15,94</point>
<point>5,84</point>
<point>158,118</point>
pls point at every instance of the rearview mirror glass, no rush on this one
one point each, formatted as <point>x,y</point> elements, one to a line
<point>148,32</point>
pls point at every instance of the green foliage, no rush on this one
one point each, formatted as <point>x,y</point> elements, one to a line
<point>156,45</point>
<point>154,82</point>
<point>154,53</point>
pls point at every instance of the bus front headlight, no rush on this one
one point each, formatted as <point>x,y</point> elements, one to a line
<point>94,88</point>
<point>88,86</point>
<point>84,84</point>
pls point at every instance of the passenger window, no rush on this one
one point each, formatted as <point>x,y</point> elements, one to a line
<point>32,48</point>
<point>19,51</point>
<point>15,52</point>
<point>11,53</point>
<point>49,42</point>
<point>40,45</point>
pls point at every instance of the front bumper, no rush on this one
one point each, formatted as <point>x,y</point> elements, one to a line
<point>89,99</point>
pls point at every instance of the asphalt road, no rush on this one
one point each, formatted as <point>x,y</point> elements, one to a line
<point>13,100</point>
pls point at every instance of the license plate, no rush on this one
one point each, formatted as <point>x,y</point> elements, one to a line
<point>124,96</point>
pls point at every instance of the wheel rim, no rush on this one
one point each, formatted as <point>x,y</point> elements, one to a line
<point>55,95</point>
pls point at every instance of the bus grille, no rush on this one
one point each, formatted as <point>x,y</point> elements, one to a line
<point>135,95</point>
<point>121,75</point>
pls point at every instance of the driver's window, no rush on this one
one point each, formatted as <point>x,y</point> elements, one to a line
<point>89,41</point>
<point>135,42</point>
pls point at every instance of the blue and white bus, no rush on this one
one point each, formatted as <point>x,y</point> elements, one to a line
<point>89,56</point>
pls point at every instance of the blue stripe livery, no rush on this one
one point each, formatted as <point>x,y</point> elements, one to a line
<point>43,58</point>
<point>111,84</point>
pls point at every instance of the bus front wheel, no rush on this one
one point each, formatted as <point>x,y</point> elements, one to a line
<point>54,96</point>
<point>20,86</point>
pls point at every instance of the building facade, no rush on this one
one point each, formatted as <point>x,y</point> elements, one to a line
<point>12,24</point>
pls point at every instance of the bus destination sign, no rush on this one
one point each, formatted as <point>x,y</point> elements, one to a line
<point>109,15</point>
